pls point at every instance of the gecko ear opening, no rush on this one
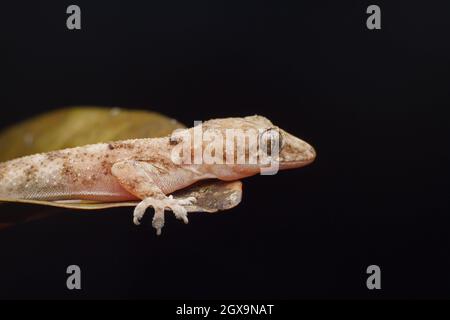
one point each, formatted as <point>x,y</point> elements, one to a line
<point>173,140</point>
<point>177,136</point>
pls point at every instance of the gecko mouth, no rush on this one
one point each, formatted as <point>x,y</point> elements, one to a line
<point>295,163</point>
<point>308,157</point>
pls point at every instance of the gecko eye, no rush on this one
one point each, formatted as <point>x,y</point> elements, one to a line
<point>269,137</point>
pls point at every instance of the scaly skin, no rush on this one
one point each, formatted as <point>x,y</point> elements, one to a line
<point>136,169</point>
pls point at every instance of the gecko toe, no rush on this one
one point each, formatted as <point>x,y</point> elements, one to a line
<point>187,201</point>
<point>192,200</point>
<point>139,212</point>
<point>158,220</point>
<point>180,212</point>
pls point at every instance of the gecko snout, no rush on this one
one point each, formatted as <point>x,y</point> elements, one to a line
<point>295,152</point>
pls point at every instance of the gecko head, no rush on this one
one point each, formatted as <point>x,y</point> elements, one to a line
<point>275,144</point>
<point>233,148</point>
<point>289,151</point>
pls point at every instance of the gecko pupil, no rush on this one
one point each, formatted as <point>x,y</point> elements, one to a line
<point>269,146</point>
<point>269,138</point>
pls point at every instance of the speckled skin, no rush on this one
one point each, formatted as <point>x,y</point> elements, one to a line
<point>133,169</point>
<point>76,173</point>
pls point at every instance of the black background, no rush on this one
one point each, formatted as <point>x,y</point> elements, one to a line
<point>373,104</point>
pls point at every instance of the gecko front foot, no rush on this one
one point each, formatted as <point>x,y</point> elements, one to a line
<point>176,205</point>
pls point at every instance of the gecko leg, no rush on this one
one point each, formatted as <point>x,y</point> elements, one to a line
<point>136,178</point>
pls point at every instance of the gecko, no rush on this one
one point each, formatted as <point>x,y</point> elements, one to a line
<point>145,170</point>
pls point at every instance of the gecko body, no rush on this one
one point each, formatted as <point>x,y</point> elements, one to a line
<point>140,169</point>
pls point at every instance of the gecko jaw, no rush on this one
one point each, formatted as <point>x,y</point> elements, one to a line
<point>298,156</point>
<point>295,164</point>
